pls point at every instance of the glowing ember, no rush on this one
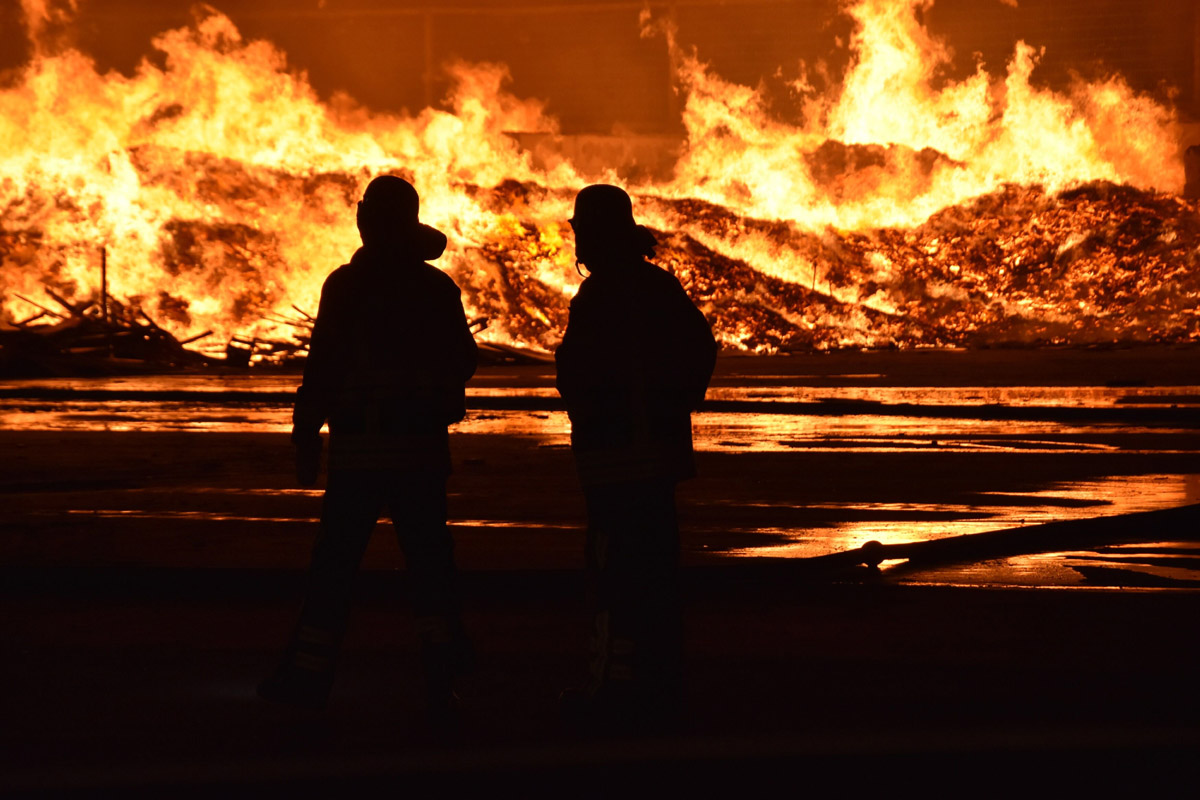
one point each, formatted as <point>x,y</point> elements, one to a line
<point>902,210</point>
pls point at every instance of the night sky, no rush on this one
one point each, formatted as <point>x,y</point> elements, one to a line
<point>588,61</point>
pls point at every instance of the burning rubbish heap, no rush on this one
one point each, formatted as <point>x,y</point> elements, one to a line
<point>1097,264</point>
<point>902,211</point>
<point>88,336</point>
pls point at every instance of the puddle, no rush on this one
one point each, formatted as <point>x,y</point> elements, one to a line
<point>841,419</point>
<point>1153,565</point>
<point>1019,396</point>
<point>1067,501</point>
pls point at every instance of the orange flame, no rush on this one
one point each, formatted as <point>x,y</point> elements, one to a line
<point>224,189</point>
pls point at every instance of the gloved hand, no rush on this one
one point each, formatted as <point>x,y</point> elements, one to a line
<point>308,459</point>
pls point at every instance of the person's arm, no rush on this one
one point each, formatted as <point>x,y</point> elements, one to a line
<point>688,352</point>
<point>468,357</point>
<point>575,357</point>
<point>462,360</point>
<point>314,398</point>
<point>702,350</point>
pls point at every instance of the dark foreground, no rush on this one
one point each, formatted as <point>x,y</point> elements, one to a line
<point>147,580</point>
<point>143,681</point>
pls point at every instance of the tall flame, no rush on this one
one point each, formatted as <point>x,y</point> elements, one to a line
<point>223,189</point>
<point>989,132</point>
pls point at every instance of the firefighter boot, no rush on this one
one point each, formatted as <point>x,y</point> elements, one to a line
<point>446,654</point>
<point>305,676</point>
<point>607,703</point>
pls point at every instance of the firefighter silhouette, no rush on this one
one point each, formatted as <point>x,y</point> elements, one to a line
<point>390,354</point>
<point>634,362</point>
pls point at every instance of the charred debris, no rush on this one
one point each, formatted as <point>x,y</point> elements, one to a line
<point>102,336</point>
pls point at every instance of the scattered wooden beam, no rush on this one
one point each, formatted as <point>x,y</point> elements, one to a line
<point>196,338</point>
<point>76,311</point>
<point>104,283</point>
<point>132,335</point>
<point>23,322</point>
<point>89,342</point>
<point>302,325</point>
<point>153,324</point>
<point>39,305</point>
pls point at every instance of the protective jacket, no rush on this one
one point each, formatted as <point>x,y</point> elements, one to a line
<point>633,364</point>
<point>391,352</point>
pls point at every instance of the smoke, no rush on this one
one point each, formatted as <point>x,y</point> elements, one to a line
<point>48,24</point>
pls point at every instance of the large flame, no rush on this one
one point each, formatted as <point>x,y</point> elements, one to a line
<point>904,208</point>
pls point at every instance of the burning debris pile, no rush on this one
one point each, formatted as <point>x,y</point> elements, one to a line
<point>1096,264</point>
<point>904,210</point>
<point>95,336</point>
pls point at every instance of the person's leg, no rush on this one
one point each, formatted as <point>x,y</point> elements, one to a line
<point>612,650</point>
<point>418,509</point>
<point>417,505</point>
<point>348,514</point>
<point>633,547</point>
<point>655,599</point>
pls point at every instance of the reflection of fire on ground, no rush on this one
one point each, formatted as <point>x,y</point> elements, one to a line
<point>904,210</point>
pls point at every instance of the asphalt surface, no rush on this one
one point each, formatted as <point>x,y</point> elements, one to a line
<point>141,681</point>
<point>148,579</point>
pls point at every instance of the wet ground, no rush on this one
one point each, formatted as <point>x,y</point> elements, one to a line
<point>1126,441</point>
<point>153,541</point>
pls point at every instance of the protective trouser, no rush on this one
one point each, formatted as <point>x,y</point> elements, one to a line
<point>352,505</point>
<point>633,559</point>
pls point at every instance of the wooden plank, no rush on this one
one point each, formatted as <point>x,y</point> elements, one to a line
<point>39,305</point>
<point>195,338</point>
<point>76,311</point>
<point>1172,524</point>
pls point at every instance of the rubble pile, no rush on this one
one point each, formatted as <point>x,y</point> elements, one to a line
<point>94,337</point>
<point>1098,264</point>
